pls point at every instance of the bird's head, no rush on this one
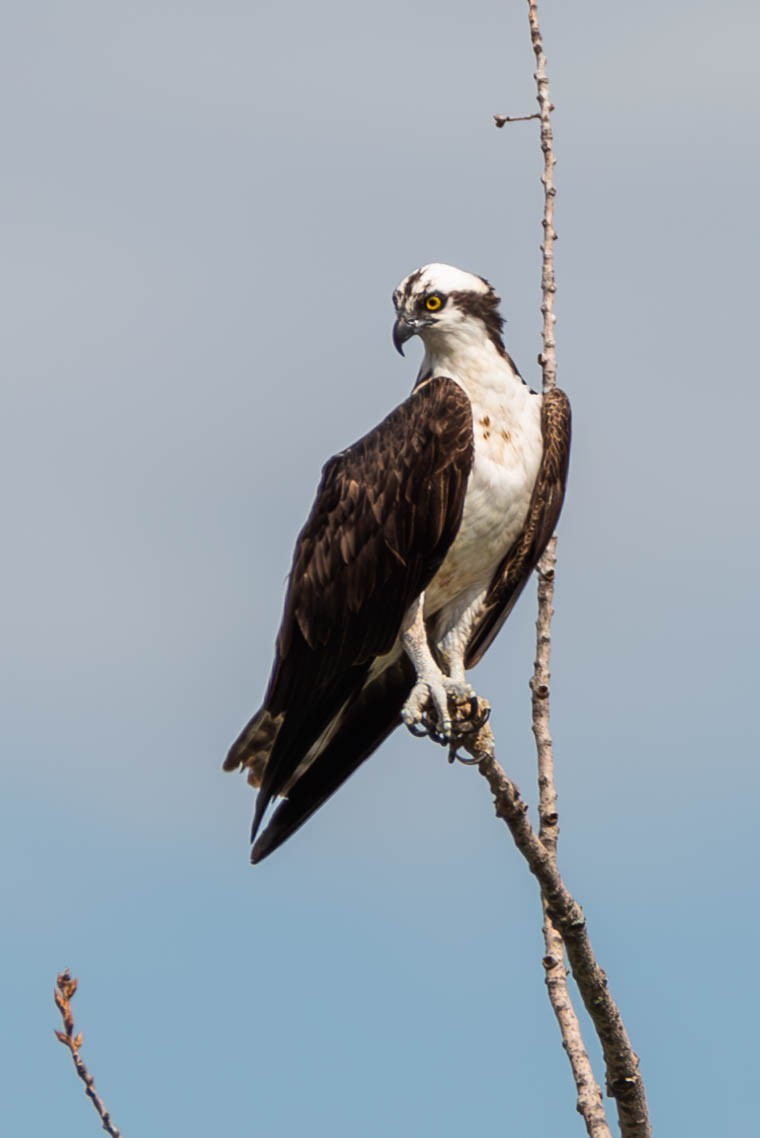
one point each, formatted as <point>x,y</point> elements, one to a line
<point>443,305</point>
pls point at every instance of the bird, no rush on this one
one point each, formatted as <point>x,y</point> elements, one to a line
<point>420,540</point>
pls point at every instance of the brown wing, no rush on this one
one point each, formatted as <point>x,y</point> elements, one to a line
<point>543,512</point>
<point>386,512</point>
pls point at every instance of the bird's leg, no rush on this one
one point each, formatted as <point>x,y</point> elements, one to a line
<point>431,686</point>
<point>457,709</point>
<point>452,647</point>
<point>469,713</point>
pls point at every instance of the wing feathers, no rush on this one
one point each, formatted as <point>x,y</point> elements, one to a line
<point>369,720</point>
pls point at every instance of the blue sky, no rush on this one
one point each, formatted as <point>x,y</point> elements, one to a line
<point>205,209</point>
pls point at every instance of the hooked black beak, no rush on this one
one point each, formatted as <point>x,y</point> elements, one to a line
<point>403,330</point>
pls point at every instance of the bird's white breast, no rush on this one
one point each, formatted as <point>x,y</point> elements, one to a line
<point>508,447</point>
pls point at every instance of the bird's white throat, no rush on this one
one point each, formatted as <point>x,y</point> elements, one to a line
<point>467,355</point>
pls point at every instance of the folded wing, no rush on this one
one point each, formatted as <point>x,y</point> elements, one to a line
<point>386,511</point>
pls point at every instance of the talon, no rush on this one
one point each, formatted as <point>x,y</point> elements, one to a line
<point>466,760</point>
<point>478,714</point>
<point>426,710</point>
<point>484,716</point>
<point>471,761</point>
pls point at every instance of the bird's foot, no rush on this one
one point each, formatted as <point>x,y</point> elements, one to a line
<point>442,708</point>
<point>426,710</point>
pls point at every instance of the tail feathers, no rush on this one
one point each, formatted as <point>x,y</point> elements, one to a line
<point>253,746</point>
<point>367,721</point>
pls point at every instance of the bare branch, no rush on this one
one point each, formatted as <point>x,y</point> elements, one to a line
<point>66,986</point>
<point>590,1103</point>
<point>565,923</point>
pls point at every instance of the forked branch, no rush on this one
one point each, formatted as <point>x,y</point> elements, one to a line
<point>624,1080</point>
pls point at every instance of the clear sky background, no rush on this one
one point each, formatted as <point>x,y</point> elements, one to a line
<point>205,208</point>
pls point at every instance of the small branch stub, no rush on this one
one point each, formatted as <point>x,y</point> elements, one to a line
<point>502,120</point>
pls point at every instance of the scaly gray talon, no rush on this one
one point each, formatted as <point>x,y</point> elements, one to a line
<point>425,698</point>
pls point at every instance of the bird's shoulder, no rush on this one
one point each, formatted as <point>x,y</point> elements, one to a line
<point>556,428</point>
<point>437,410</point>
<point>431,430</point>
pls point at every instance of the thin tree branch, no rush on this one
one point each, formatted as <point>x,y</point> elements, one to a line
<point>66,986</point>
<point>564,925</point>
<point>590,1103</point>
<point>548,358</point>
<point>540,707</point>
<point>622,1063</point>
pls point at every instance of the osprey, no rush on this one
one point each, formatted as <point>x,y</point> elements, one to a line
<point>420,540</point>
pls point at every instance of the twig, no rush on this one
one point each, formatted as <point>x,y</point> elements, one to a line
<point>502,120</point>
<point>66,986</point>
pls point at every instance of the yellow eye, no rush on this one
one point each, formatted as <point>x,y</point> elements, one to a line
<point>433,303</point>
